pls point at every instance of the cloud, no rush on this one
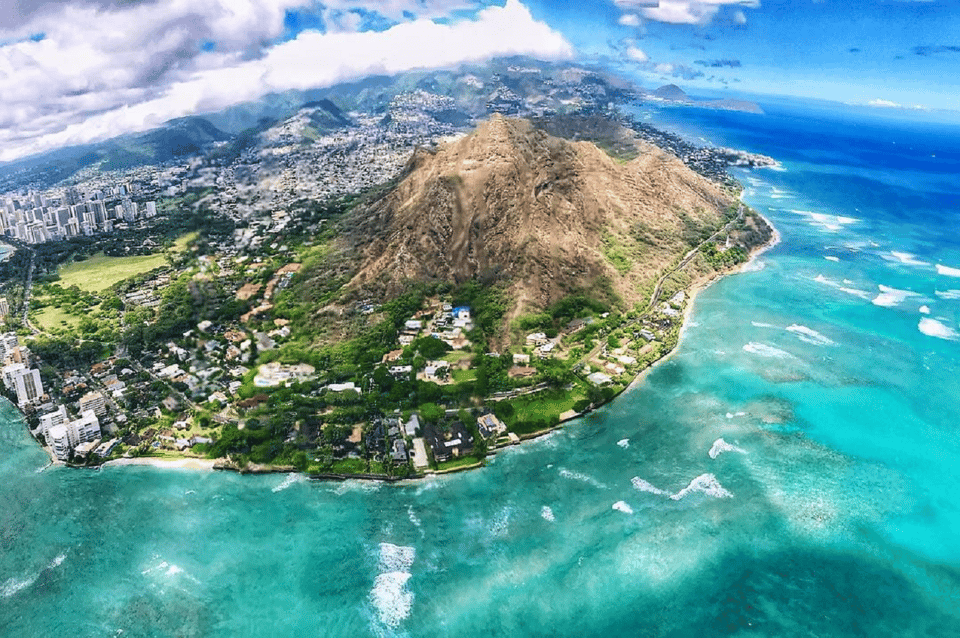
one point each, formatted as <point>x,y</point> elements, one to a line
<point>635,54</point>
<point>884,104</point>
<point>695,11</point>
<point>888,104</point>
<point>101,73</point>
<point>733,64</point>
<point>630,20</point>
<point>928,50</point>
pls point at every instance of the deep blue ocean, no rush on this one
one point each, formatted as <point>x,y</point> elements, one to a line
<point>792,471</point>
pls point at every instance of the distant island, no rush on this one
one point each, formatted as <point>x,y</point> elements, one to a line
<point>348,293</point>
<point>671,93</point>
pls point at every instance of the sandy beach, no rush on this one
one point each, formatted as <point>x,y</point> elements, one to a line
<point>171,464</point>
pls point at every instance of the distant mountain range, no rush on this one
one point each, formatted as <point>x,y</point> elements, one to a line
<point>514,86</point>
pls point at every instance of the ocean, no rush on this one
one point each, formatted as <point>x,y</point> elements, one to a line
<point>791,471</point>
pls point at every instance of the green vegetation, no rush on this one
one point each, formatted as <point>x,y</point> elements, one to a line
<point>100,272</point>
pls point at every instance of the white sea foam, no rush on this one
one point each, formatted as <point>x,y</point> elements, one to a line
<point>12,586</point>
<point>850,291</point>
<point>833,258</point>
<point>705,483</point>
<point>396,558</point>
<point>763,350</point>
<point>948,271</point>
<point>500,525</point>
<point>760,324</point>
<point>924,310</point>
<point>621,506</point>
<point>948,294</point>
<point>892,297</point>
<point>547,514</point>
<point>720,446</point>
<point>624,443</point>
<point>173,570</point>
<point>938,329</point>
<point>290,479</point>
<point>810,335</point>
<point>831,223</point>
<point>390,597</point>
<point>643,486</point>
<point>907,259</point>
<point>754,265</point>
<point>579,476</point>
<point>413,516</point>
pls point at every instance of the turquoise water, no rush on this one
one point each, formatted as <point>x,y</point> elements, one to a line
<point>830,509</point>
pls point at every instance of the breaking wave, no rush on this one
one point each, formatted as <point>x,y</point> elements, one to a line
<point>390,597</point>
<point>12,586</point>
<point>720,446</point>
<point>547,514</point>
<point>763,350</point>
<point>621,506</point>
<point>624,443</point>
<point>938,329</point>
<point>809,335</point>
<point>643,486</point>
<point>891,297</point>
<point>705,483</point>
<point>583,478</point>
<point>948,271</point>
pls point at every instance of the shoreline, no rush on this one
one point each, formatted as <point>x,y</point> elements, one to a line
<point>192,463</point>
<point>169,464</point>
<point>695,291</point>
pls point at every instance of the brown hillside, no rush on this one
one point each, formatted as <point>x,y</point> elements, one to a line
<point>510,202</point>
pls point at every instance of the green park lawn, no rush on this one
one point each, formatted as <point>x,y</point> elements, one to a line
<point>100,271</point>
<point>52,318</point>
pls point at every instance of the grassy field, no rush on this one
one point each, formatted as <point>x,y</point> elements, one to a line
<point>51,318</point>
<point>100,271</point>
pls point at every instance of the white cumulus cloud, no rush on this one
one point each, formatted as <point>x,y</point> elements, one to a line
<point>636,54</point>
<point>694,11</point>
<point>100,72</point>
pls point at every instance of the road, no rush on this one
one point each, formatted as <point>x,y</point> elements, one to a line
<point>655,296</point>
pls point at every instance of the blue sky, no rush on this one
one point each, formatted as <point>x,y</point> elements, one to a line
<point>75,71</point>
<point>850,51</point>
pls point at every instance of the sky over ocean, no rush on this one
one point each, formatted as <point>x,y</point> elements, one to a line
<point>789,472</point>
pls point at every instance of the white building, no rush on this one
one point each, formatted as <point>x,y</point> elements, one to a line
<point>59,442</point>
<point>27,385</point>
<point>65,437</point>
<point>52,419</point>
<point>93,401</point>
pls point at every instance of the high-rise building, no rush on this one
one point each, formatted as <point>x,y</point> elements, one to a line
<point>93,401</point>
<point>52,419</point>
<point>28,386</point>
<point>151,209</point>
<point>59,441</point>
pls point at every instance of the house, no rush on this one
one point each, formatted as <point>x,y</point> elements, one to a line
<point>399,371</point>
<point>170,403</point>
<point>599,378</point>
<point>343,387</point>
<point>454,442</point>
<point>546,350</point>
<point>410,427</point>
<point>521,359</point>
<point>398,451</point>
<point>646,334</point>
<point>413,325</point>
<point>537,338</point>
<point>489,425</point>
<point>392,356</point>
